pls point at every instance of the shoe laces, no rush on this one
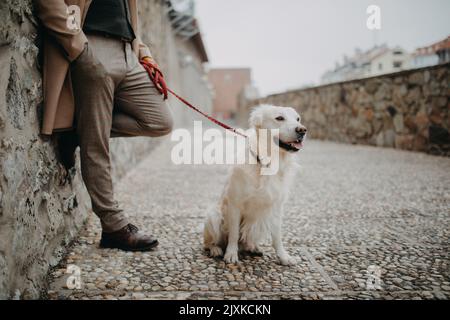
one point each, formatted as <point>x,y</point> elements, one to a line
<point>132,228</point>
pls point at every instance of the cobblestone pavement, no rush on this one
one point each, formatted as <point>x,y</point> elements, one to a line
<point>364,222</point>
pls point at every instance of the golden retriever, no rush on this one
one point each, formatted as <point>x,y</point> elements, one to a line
<point>251,206</point>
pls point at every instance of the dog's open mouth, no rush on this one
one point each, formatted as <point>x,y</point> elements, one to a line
<point>292,146</point>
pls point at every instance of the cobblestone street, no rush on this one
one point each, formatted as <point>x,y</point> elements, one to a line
<point>364,222</point>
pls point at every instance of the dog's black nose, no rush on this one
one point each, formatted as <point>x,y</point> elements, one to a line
<point>301,130</point>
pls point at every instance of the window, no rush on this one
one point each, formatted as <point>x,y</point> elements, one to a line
<point>397,64</point>
<point>380,66</point>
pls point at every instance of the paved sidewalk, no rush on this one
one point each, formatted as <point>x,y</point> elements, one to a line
<point>356,214</point>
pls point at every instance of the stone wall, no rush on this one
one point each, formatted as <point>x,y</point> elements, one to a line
<point>406,110</point>
<point>40,211</point>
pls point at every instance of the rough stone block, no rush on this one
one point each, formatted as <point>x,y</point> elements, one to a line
<point>416,78</point>
<point>398,122</point>
<point>389,138</point>
<point>404,141</point>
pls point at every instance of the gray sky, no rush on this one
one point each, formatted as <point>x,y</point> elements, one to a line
<point>290,43</point>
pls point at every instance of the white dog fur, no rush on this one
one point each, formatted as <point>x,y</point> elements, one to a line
<point>251,206</point>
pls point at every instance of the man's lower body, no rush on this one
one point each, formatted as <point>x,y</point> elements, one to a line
<point>114,97</point>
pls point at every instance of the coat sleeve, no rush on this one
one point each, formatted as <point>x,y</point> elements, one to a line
<point>63,24</point>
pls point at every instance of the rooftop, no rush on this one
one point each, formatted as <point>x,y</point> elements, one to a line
<point>433,48</point>
<point>185,25</point>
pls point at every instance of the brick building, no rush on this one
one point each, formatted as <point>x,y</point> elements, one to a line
<point>229,84</point>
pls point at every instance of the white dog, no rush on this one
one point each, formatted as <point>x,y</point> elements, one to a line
<point>250,209</point>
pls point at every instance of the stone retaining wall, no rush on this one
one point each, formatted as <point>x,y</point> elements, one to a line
<point>406,110</point>
<point>40,211</point>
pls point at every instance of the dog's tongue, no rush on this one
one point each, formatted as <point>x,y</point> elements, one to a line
<point>297,145</point>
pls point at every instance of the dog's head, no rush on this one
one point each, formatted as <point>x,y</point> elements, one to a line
<point>286,120</point>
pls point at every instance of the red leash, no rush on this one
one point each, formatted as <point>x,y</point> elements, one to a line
<point>223,125</point>
<point>149,66</point>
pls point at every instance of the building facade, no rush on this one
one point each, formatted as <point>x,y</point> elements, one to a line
<point>388,61</point>
<point>229,85</point>
<point>185,61</point>
<point>431,55</point>
<point>376,61</point>
<point>384,60</point>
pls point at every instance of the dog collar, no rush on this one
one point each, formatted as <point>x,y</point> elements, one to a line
<point>258,159</point>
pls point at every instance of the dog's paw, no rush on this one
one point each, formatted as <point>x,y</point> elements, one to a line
<point>231,257</point>
<point>215,252</point>
<point>287,260</point>
<point>253,251</point>
<point>256,253</point>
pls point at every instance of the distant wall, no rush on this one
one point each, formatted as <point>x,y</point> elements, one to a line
<point>407,110</point>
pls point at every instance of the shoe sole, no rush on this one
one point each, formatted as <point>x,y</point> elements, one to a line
<point>148,248</point>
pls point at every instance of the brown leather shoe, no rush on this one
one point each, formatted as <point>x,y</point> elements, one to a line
<point>128,239</point>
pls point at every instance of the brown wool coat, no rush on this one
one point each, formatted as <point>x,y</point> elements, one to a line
<point>61,46</point>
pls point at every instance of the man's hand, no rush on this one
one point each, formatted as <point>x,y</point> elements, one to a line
<point>155,74</point>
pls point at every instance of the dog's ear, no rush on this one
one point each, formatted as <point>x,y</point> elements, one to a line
<point>256,118</point>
